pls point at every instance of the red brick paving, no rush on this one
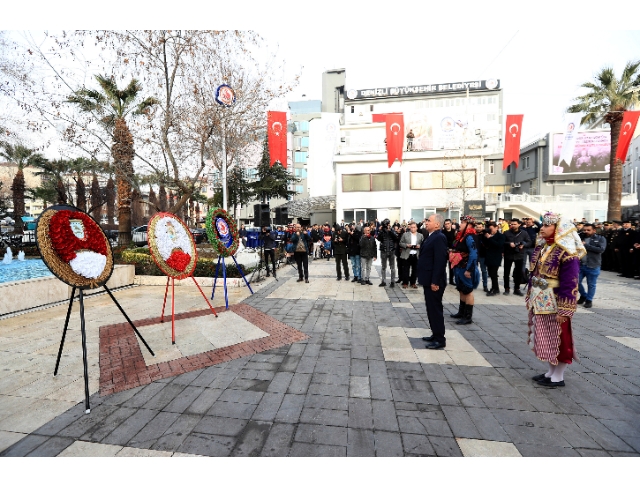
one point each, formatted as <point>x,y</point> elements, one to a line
<point>122,365</point>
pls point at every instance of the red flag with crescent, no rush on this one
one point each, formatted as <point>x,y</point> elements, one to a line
<point>395,137</point>
<point>512,140</point>
<point>627,128</point>
<point>277,137</point>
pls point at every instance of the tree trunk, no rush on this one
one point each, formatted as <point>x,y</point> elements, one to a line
<point>81,194</point>
<point>61,191</point>
<point>122,152</point>
<point>162,195</point>
<point>153,199</point>
<point>111,200</point>
<point>96,200</point>
<point>614,211</point>
<point>17,188</point>
<point>136,213</point>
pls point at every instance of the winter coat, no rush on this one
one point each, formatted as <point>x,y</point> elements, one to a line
<point>368,247</point>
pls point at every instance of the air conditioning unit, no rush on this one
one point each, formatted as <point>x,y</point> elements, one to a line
<point>515,185</point>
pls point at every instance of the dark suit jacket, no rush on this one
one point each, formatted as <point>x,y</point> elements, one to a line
<point>432,262</point>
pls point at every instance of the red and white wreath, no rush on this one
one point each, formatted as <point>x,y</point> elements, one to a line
<point>172,242</point>
<point>78,241</point>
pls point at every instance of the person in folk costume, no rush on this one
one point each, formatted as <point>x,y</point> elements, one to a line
<point>551,297</point>
<point>464,263</point>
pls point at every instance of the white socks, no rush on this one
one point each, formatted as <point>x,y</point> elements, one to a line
<point>557,374</point>
<point>552,368</point>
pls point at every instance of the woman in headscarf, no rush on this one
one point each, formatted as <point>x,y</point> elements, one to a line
<point>552,295</point>
<point>464,262</point>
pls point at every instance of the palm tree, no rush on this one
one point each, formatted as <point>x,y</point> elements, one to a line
<point>606,101</point>
<point>22,156</point>
<point>112,106</point>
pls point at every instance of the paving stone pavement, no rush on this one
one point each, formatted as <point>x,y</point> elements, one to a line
<point>360,385</point>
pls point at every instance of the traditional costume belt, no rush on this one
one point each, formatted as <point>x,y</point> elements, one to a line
<point>543,283</point>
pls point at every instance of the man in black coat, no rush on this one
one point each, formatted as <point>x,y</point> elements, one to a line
<point>516,241</point>
<point>432,275</point>
<point>339,245</point>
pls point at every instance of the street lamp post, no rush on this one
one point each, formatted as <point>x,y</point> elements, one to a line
<point>226,97</point>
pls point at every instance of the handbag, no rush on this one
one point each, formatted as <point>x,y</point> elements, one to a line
<point>543,301</point>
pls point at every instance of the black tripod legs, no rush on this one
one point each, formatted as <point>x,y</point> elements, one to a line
<point>130,322</point>
<point>64,331</point>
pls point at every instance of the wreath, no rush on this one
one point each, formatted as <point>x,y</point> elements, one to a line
<point>74,247</point>
<point>222,232</point>
<point>171,245</point>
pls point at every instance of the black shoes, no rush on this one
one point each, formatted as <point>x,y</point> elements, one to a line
<point>428,339</point>
<point>460,312</point>
<point>339,279</point>
<point>582,300</point>
<point>493,292</point>
<point>354,279</point>
<point>506,292</point>
<point>300,280</point>
<point>548,383</point>
<point>468,315</point>
<point>588,304</point>
<point>363,282</point>
<point>306,281</point>
<point>369,282</point>
<point>436,345</point>
<point>382,284</point>
<point>539,377</point>
<point>517,292</point>
<point>485,289</point>
<point>392,284</point>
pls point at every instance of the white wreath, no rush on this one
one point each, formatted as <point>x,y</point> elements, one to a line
<point>168,242</point>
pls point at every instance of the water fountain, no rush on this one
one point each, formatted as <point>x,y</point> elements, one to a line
<point>21,256</point>
<point>8,256</point>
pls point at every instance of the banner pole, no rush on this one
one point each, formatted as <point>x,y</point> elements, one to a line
<point>164,303</point>
<point>242,273</point>
<point>205,298</point>
<point>64,331</point>
<point>213,291</point>
<point>129,320</point>
<point>84,355</point>
<point>173,312</point>
<point>224,275</point>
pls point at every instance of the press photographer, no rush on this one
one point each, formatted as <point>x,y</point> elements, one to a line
<point>388,240</point>
<point>269,238</point>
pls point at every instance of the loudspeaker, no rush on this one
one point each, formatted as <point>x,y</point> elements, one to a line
<point>261,215</point>
<point>282,215</point>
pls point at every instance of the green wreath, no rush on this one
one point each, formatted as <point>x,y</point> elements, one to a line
<point>212,233</point>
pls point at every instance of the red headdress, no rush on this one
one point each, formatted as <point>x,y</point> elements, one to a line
<point>470,230</point>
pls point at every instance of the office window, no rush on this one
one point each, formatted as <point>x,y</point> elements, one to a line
<point>301,173</point>
<point>443,179</point>
<point>353,109</point>
<point>569,182</point>
<point>509,168</point>
<point>371,182</point>
<point>602,186</point>
<point>356,182</point>
<point>304,126</point>
<point>349,215</point>
<point>492,168</point>
<point>385,182</point>
<point>301,156</point>
<point>304,142</point>
<point>370,108</point>
<point>299,188</point>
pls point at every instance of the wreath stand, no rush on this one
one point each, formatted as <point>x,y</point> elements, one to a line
<point>173,294</point>
<point>84,338</point>
<point>224,278</point>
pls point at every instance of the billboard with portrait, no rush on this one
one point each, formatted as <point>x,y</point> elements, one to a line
<point>591,154</point>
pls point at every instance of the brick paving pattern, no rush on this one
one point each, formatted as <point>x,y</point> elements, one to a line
<point>335,388</point>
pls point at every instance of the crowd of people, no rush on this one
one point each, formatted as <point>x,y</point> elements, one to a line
<point>545,260</point>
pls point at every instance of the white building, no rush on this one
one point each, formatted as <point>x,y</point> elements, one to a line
<point>455,126</point>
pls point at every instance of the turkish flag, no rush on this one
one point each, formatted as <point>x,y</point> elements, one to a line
<point>395,137</point>
<point>628,127</point>
<point>512,140</point>
<point>277,137</point>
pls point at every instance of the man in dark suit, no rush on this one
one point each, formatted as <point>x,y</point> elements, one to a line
<point>432,265</point>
